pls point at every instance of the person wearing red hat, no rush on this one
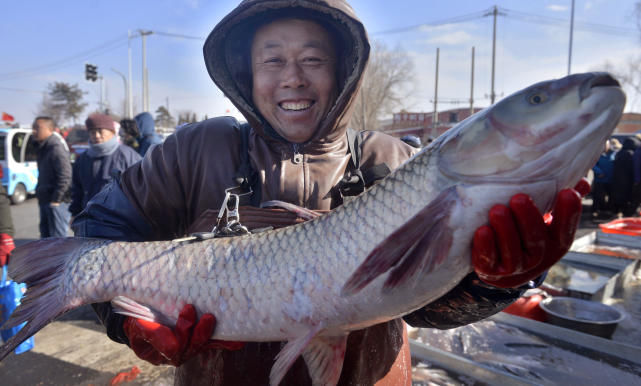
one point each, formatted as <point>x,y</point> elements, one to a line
<point>105,159</point>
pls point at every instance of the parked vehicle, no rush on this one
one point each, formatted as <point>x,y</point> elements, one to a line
<point>78,141</point>
<point>18,157</point>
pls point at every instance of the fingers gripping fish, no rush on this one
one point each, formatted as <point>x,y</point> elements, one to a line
<point>403,243</point>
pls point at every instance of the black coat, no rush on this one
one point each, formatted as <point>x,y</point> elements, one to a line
<point>54,171</point>
<point>623,174</point>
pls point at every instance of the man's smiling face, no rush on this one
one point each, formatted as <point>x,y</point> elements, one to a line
<point>294,77</point>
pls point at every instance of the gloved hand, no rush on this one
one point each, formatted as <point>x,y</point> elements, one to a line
<point>6,246</point>
<point>158,344</point>
<point>519,245</point>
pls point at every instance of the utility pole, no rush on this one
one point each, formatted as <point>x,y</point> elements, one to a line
<point>126,92</point>
<point>492,94</point>
<point>102,107</point>
<point>145,86</point>
<point>571,33</point>
<point>130,107</point>
<point>472,85</point>
<point>435,113</point>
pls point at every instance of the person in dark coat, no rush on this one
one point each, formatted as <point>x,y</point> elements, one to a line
<point>623,178</point>
<point>54,179</point>
<point>6,227</point>
<point>602,184</point>
<point>103,161</point>
<point>147,132</point>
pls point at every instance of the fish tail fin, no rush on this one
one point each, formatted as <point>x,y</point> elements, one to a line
<point>40,265</point>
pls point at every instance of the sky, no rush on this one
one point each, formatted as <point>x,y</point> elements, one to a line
<point>46,41</point>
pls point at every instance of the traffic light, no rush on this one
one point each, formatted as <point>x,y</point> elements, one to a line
<point>91,72</point>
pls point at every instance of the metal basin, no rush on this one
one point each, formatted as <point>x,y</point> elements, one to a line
<point>582,315</point>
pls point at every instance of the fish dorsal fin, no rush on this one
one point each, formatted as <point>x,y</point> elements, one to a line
<point>324,358</point>
<point>411,249</point>
<point>288,355</point>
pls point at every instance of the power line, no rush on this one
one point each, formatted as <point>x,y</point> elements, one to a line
<point>178,35</point>
<point>20,90</point>
<point>84,55</point>
<point>555,21</point>
<point>451,20</point>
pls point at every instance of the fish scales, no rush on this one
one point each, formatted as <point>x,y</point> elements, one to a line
<point>401,244</point>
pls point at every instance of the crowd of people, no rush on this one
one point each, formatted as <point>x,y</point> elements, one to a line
<point>63,190</point>
<point>616,186</point>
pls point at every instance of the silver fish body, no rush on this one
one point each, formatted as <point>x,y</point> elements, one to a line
<point>360,265</point>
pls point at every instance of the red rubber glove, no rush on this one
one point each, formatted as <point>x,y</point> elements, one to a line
<point>6,246</point>
<point>519,244</point>
<point>158,344</point>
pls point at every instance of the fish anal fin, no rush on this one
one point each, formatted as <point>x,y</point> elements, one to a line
<point>288,355</point>
<point>324,358</point>
<point>409,247</point>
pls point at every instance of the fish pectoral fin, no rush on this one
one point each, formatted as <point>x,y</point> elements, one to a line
<point>324,358</point>
<point>288,355</point>
<point>129,307</point>
<point>418,246</point>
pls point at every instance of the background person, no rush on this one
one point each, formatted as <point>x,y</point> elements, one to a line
<point>147,132</point>
<point>293,72</point>
<point>128,133</point>
<point>6,227</point>
<point>54,179</point>
<point>102,162</point>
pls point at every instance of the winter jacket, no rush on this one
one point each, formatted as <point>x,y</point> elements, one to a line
<point>6,221</point>
<point>181,180</point>
<point>148,136</point>
<point>54,171</point>
<point>92,174</point>
<point>623,174</point>
<point>604,168</point>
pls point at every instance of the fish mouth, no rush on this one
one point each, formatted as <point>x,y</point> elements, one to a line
<point>598,80</point>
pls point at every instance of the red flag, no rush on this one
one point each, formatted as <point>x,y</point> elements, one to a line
<point>7,117</point>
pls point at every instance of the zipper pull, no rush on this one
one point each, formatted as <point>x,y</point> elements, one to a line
<point>298,157</point>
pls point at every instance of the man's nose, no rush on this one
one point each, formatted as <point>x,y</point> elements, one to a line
<point>293,76</point>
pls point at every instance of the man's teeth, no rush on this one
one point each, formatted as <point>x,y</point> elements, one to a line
<point>295,106</point>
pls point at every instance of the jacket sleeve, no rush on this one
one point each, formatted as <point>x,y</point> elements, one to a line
<point>6,221</point>
<point>109,214</point>
<point>77,192</point>
<point>62,169</point>
<point>469,302</point>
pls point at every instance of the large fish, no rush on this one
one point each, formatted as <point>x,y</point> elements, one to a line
<point>403,243</point>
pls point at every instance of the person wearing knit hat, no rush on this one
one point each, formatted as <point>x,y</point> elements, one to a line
<point>105,159</point>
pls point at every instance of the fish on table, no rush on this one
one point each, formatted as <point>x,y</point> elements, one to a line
<point>400,245</point>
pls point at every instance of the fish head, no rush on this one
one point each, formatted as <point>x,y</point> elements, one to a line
<point>551,131</point>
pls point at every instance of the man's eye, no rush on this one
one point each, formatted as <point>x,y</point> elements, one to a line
<point>273,60</point>
<point>312,59</point>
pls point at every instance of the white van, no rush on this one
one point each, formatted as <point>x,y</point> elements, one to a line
<point>18,157</point>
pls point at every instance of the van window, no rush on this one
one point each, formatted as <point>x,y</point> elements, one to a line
<point>16,146</point>
<point>31,153</point>
<point>3,156</point>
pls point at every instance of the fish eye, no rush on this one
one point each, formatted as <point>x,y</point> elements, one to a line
<point>537,98</point>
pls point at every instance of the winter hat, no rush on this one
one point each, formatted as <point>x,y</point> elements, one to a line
<point>100,121</point>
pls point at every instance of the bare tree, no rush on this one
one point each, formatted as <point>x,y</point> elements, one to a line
<point>387,81</point>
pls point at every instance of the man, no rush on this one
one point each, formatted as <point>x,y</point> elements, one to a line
<point>103,161</point>
<point>293,71</point>
<point>147,135</point>
<point>54,179</point>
